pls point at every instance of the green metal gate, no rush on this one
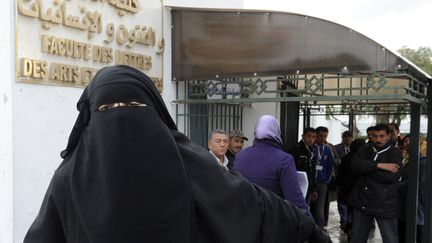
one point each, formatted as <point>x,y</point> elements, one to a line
<point>198,120</point>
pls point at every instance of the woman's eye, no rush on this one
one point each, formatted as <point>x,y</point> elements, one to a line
<point>102,108</point>
<point>119,104</point>
<point>135,103</point>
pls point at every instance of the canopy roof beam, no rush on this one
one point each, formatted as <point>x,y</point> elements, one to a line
<point>376,87</point>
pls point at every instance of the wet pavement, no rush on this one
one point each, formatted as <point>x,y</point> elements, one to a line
<point>338,236</point>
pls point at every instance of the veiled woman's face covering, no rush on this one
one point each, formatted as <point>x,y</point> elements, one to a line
<point>117,87</point>
<point>125,158</point>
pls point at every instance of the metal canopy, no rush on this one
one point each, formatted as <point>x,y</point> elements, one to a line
<point>240,56</point>
<point>226,44</point>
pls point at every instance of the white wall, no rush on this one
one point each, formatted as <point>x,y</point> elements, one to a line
<point>335,128</point>
<point>169,91</point>
<point>6,135</point>
<point>43,117</point>
<point>252,112</point>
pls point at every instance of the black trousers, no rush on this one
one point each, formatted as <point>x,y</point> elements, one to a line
<point>362,223</point>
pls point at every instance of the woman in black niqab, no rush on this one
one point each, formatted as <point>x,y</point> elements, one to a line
<point>129,176</point>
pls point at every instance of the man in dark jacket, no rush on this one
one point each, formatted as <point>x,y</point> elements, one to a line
<point>375,194</point>
<point>395,137</point>
<point>236,143</point>
<point>343,148</point>
<point>370,134</point>
<point>324,172</point>
<point>304,160</point>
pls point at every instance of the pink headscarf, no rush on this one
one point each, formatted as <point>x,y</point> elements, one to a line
<point>267,127</point>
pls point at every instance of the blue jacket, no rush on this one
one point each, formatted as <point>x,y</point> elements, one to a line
<point>324,163</point>
<point>267,165</point>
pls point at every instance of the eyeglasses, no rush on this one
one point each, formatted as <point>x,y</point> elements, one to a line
<point>119,104</point>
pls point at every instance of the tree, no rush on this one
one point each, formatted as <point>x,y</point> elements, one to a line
<point>422,57</point>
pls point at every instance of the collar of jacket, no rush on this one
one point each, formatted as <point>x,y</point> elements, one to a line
<point>303,144</point>
<point>261,142</point>
<point>383,147</point>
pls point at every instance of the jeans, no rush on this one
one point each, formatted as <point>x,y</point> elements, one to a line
<point>345,213</point>
<point>362,223</point>
<point>320,204</point>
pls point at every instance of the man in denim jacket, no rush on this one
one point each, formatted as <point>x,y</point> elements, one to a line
<point>324,171</point>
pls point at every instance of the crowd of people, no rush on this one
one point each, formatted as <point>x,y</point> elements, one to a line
<point>368,178</point>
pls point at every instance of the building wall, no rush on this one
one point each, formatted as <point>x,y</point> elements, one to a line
<point>43,116</point>
<point>252,112</point>
<point>6,133</point>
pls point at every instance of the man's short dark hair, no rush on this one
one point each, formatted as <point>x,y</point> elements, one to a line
<point>309,129</point>
<point>216,131</point>
<point>396,126</point>
<point>322,129</point>
<point>381,127</point>
<point>371,128</point>
<point>347,134</point>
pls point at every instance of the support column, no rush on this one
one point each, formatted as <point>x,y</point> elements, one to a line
<point>306,117</point>
<point>427,230</point>
<point>351,124</point>
<point>413,172</point>
<point>289,122</point>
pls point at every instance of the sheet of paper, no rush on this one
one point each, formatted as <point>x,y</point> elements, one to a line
<point>303,182</point>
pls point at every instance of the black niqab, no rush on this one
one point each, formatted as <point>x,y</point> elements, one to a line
<point>129,176</point>
<point>122,179</point>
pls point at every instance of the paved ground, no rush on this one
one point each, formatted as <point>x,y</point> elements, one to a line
<point>338,236</point>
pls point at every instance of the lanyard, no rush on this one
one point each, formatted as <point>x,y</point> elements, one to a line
<point>310,152</point>
<point>320,154</point>
<point>377,153</point>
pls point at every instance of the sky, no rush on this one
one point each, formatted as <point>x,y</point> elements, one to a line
<point>391,23</point>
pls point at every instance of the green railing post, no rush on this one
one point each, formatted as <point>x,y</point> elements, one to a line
<point>413,172</point>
